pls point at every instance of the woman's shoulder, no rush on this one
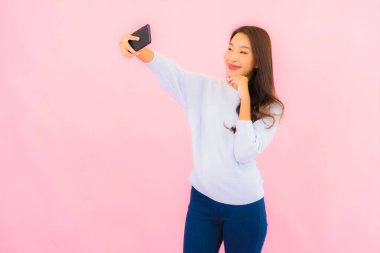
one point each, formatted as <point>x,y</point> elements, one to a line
<point>275,108</point>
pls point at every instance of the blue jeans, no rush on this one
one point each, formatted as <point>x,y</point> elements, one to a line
<point>208,222</point>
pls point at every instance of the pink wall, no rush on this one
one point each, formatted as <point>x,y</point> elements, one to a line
<point>94,155</point>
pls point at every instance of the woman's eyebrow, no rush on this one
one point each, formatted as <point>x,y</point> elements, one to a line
<point>240,46</point>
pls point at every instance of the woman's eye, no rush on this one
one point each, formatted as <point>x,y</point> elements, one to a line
<point>240,52</point>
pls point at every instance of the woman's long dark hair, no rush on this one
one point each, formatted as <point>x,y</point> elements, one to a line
<point>261,85</point>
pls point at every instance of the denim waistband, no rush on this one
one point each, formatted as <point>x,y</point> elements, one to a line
<point>198,196</point>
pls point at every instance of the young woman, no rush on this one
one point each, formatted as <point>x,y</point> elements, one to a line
<point>231,121</point>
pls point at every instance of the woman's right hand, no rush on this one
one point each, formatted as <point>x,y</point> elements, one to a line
<point>125,47</point>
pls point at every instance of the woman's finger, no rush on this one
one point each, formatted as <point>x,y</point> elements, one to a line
<point>126,47</point>
<point>126,53</point>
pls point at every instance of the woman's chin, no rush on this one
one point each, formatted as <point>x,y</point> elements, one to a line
<point>233,72</point>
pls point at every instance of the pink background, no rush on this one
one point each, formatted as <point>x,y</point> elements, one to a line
<point>94,155</point>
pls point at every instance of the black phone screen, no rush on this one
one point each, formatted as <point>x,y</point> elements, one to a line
<point>145,38</point>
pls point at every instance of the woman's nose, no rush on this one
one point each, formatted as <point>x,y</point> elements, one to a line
<point>233,59</point>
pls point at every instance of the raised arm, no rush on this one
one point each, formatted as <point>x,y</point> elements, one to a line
<point>145,55</point>
<point>185,86</point>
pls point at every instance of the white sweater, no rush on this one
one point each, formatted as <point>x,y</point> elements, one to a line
<point>224,163</point>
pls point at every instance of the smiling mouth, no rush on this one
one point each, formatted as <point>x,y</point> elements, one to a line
<point>233,67</point>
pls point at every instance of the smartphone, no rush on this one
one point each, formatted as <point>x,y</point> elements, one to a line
<point>145,38</point>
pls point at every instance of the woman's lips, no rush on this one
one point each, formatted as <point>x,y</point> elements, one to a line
<point>233,67</point>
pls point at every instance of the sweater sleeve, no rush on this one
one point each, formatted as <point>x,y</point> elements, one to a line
<point>251,139</point>
<point>181,84</point>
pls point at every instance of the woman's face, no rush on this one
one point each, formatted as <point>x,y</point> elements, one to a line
<point>239,53</point>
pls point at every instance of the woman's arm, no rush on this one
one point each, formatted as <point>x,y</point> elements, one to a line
<point>145,54</point>
<point>251,139</point>
<point>184,85</point>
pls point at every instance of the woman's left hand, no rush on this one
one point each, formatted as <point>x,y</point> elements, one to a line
<point>242,84</point>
